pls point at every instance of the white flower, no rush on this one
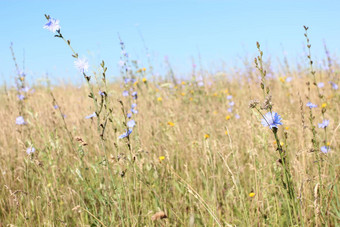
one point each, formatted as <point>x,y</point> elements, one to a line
<point>81,64</point>
<point>52,25</point>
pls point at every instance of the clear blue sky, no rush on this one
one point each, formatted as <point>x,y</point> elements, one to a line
<point>180,29</point>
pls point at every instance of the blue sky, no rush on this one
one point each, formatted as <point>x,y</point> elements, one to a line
<point>217,30</point>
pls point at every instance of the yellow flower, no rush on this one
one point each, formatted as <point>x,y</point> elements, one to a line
<point>206,136</point>
<point>171,123</point>
<point>282,143</point>
<point>251,194</point>
<point>226,91</point>
<point>226,132</point>
<point>215,94</point>
<point>22,78</point>
<point>183,94</point>
<point>135,83</point>
<point>159,99</point>
<point>191,99</point>
<point>144,80</point>
<point>161,158</point>
<point>328,143</point>
<point>282,79</point>
<point>286,127</point>
<point>215,112</point>
<point>183,83</point>
<point>323,105</point>
<point>192,91</point>
<point>227,117</point>
<point>144,69</point>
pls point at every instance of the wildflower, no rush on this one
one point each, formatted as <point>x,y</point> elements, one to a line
<point>20,121</point>
<point>289,79</point>
<point>131,123</point>
<point>237,116</point>
<point>321,85</point>
<point>52,25</point>
<point>324,105</point>
<point>226,132</point>
<point>311,105</point>
<point>91,115</point>
<point>231,103</point>
<point>134,95</point>
<point>55,106</point>
<point>251,194</point>
<point>229,96</point>
<point>126,80</point>
<point>125,134</point>
<point>171,124</point>
<point>144,80</point>
<point>125,93</point>
<point>121,63</point>
<point>21,97</point>
<point>230,110</point>
<point>159,99</point>
<point>134,111</point>
<point>282,79</point>
<point>143,69</point>
<point>325,149</point>
<point>324,124</point>
<point>129,115</point>
<point>101,93</point>
<point>25,89</point>
<point>286,127</point>
<point>81,64</point>
<point>133,105</point>
<point>271,119</point>
<point>183,83</point>
<point>228,117</point>
<point>206,136</point>
<point>334,85</point>
<point>30,150</point>
<point>183,94</point>
<point>161,158</point>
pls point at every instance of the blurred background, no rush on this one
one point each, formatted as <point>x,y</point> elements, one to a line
<point>212,34</point>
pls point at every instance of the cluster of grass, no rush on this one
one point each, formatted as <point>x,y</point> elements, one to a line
<point>197,156</point>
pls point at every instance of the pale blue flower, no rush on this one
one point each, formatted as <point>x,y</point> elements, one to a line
<point>324,124</point>
<point>134,95</point>
<point>125,93</point>
<point>20,120</point>
<point>334,85</point>
<point>133,105</point>
<point>230,110</point>
<point>126,80</point>
<point>55,106</point>
<point>129,115</point>
<point>125,134</point>
<point>30,150</point>
<point>52,25</point>
<point>21,97</point>
<point>101,93</point>
<point>231,103</point>
<point>289,79</point>
<point>311,105</point>
<point>321,85</point>
<point>271,119</point>
<point>131,123</point>
<point>229,97</point>
<point>325,149</point>
<point>134,111</point>
<point>91,115</point>
<point>121,63</point>
<point>237,116</point>
<point>81,64</point>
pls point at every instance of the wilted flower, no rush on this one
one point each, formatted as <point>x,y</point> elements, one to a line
<point>271,119</point>
<point>20,120</point>
<point>311,105</point>
<point>131,123</point>
<point>91,115</point>
<point>81,64</point>
<point>334,85</point>
<point>325,149</point>
<point>324,124</point>
<point>52,25</point>
<point>125,134</point>
<point>30,150</point>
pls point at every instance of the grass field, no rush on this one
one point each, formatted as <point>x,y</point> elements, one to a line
<point>197,153</point>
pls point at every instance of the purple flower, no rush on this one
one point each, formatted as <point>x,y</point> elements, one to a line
<point>231,103</point>
<point>334,85</point>
<point>230,110</point>
<point>21,97</point>
<point>52,25</point>
<point>229,97</point>
<point>134,111</point>
<point>129,115</point>
<point>321,85</point>
<point>20,120</point>
<point>55,106</point>
<point>101,93</point>
<point>325,149</point>
<point>125,93</point>
<point>125,134</point>
<point>133,105</point>
<point>25,89</point>
<point>131,123</point>
<point>311,105</point>
<point>126,80</point>
<point>30,150</point>
<point>91,116</point>
<point>271,119</point>
<point>237,116</point>
<point>324,124</point>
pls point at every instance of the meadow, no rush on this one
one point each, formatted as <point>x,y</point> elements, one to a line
<point>251,146</point>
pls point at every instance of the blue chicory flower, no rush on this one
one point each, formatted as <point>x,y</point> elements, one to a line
<point>30,150</point>
<point>324,124</point>
<point>271,119</point>
<point>52,25</point>
<point>21,97</point>
<point>321,85</point>
<point>334,85</point>
<point>131,123</point>
<point>311,105</point>
<point>20,120</point>
<point>91,115</point>
<point>325,149</point>
<point>125,93</point>
<point>125,134</point>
